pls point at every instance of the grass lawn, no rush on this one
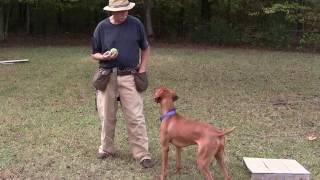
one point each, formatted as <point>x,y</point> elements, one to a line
<point>49,128</point>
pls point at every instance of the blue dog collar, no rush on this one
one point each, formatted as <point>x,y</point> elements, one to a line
<point>170,113</point>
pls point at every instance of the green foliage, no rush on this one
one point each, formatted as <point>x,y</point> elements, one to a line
<point>2,2</point>
<point>218,31</point>
<point>293,11</point>
<point>286,22</point>
<point>275,23</point>
<point>311,41</point>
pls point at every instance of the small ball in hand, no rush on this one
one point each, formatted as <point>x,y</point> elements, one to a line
<point>114,51</point>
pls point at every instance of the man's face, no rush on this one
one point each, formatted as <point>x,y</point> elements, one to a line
<point>120,16</point>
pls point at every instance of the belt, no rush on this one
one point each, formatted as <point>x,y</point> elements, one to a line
<point>124,72</point>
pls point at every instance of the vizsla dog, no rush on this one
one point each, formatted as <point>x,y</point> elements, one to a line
<point>182,132</point>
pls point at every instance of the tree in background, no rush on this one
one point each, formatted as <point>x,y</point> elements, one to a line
<point>300,21</point>
<point>2,35</point>
<point>148,18</point>
<point>5,6</point>
<point>275,23</point>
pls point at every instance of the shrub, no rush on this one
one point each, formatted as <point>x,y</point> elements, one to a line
<point>310,40</point>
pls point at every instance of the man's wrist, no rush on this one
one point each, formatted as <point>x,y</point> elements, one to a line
<point>141,70</point>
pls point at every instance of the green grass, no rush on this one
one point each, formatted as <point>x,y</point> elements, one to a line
<point>50,130</point>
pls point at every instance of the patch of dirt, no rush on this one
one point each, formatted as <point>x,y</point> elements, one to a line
<point>8,174</point>
<point>293,101</point>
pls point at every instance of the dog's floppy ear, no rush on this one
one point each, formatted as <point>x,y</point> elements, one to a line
<point>174,95</point>
<point>157,94</point>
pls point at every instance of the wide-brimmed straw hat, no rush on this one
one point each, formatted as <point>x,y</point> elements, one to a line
<point>119,5</point>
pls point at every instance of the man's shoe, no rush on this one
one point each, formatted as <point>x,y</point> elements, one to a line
<point>146,163</point>
<point>102,155</point>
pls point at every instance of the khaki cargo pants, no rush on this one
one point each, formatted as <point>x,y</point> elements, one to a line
<point>132,107</point>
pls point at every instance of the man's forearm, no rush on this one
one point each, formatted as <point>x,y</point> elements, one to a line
<point>97,56</point>
<point>145,56</point>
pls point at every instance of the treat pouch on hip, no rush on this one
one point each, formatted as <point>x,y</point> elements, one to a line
<point>101,78</point>
<point>141,81</point>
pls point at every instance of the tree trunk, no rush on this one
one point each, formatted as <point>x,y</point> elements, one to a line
<point>229,11</point>
<point>300,25</point>
<point>205,10</point>
<point>59,19</point>
<point>149,28</point>
<point>181,18</point>
<point>28,19</point>
<point>2,36</point>
<point>7,18</point>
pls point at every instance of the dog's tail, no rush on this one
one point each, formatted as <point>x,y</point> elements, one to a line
<point>227,131</point>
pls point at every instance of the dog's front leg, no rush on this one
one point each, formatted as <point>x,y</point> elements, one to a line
<point>164,141</point>
<point>178,159</point>
<point>165,151</point>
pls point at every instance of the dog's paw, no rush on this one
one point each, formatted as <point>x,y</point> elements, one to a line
<point>162,177</point>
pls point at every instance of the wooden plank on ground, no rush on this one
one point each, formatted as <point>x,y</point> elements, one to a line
<point>14,61</point>
<point>274,169</point>
<point>256,165</point>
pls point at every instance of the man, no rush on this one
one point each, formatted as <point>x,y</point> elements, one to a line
<point>126,34</point>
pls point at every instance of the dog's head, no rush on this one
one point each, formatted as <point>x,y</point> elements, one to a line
<point>161,93</point>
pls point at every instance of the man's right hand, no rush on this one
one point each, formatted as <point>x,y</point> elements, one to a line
<point>107,56</point>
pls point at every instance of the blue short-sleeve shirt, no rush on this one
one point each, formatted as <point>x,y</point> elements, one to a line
<point>128,38</point>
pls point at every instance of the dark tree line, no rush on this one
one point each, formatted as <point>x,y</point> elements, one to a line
<point>276,23</point>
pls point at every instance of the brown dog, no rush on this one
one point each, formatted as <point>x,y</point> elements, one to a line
<point>183,132</point>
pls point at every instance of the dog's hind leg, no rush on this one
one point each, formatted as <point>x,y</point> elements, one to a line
<point>220,159</point>
<point>203,160</point>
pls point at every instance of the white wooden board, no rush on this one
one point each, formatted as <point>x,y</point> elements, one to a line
<point>14,61</point>
<point>262,168</point>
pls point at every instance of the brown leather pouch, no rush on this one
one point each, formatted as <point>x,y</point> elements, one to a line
<point>101,78</point>
<point>141,81</point>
